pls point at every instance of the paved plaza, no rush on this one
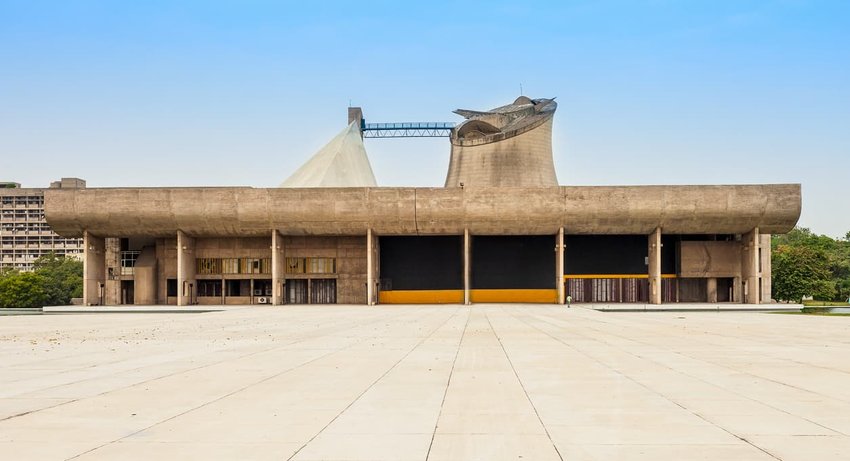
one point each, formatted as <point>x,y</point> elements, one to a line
<point>413,383</point>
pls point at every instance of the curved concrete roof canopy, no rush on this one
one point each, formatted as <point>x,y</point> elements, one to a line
<point>245,211</point>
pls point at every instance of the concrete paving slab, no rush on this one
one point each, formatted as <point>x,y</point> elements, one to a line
<point>424,382</point>
<point>684,307</point>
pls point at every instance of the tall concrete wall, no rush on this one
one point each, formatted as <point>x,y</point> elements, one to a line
<point>710,259</point>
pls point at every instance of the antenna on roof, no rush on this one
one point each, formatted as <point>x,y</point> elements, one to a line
<point>520,90</point>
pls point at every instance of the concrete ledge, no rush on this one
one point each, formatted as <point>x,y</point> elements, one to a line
<point>137,309</point>
<point>603,307</point>
<point>687,307</point>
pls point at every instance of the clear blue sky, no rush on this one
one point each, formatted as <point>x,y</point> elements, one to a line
<point>169,93</point>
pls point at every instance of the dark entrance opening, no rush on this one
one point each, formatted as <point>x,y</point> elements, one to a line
<point>724,290</point>
<point>513,268</point>
<point>421,269</point>
<point>127,292</point>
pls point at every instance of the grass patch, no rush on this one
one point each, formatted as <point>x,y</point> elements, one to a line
<point>824,311</point>
<point>814,303</point>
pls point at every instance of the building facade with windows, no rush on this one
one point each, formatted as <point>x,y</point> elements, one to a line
<point>24,233</point>
<point>492,234</point>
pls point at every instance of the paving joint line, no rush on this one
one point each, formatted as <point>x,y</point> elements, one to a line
<point>230,393</point>
<point>373,384</point>
<point>648,388</point>
<point>522,386</point>
<point>626,351</point>
<point>760,340</point>
<point>72,400</point>
<point>448,382</point>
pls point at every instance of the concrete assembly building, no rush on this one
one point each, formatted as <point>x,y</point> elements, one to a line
<point>501,230</point>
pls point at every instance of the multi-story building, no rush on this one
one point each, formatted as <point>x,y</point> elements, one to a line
<point>24,234</point>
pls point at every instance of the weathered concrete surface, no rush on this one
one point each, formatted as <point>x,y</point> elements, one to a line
<point>711,306</point>
<point>517,161</point>
<point>342,162</point>
<point>654,263</point>
<point>416,383</point>
<point>241,211</point>
<point>710,259</point>
<point>145,277</point>
<point>94,268</point>
<point>509,146</point>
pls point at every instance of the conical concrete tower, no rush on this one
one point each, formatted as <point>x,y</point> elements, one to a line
<point>342,162</point>
<point>509,146</point>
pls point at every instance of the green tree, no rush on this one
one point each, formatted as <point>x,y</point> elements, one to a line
<point>63,278</point>
<point>802,270</point>
<point>837,253</point>
<point>22,289</point>
<point>54,281</point>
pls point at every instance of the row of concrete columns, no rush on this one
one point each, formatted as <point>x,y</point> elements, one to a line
<point>750,293</point>
<point>94,267</point>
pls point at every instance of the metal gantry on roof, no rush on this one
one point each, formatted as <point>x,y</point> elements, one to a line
<point>407,130</point>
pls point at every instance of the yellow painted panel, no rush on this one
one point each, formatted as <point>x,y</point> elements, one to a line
<point>421,297</point>
<point>514,296</point>
<point>616,276</point>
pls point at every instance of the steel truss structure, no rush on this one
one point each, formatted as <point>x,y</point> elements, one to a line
<point>408,130</point>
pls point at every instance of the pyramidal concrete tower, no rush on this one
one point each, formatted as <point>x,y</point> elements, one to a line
<point>342,162</point>
<point>509,146</point>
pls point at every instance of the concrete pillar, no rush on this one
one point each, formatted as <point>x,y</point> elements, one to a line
<point>654,253</point>
<point>766,270</point>
<point>278,267</point>
<point>112,261</point>
<point>370,269</point>
<point>712,289</point>
<point>376,264</point>
<point>750,266</point>
<point>737,290</point>
<point>467,264</point>
<point>186,283</point>
<point>559,265</point>
<point>94,269</point>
